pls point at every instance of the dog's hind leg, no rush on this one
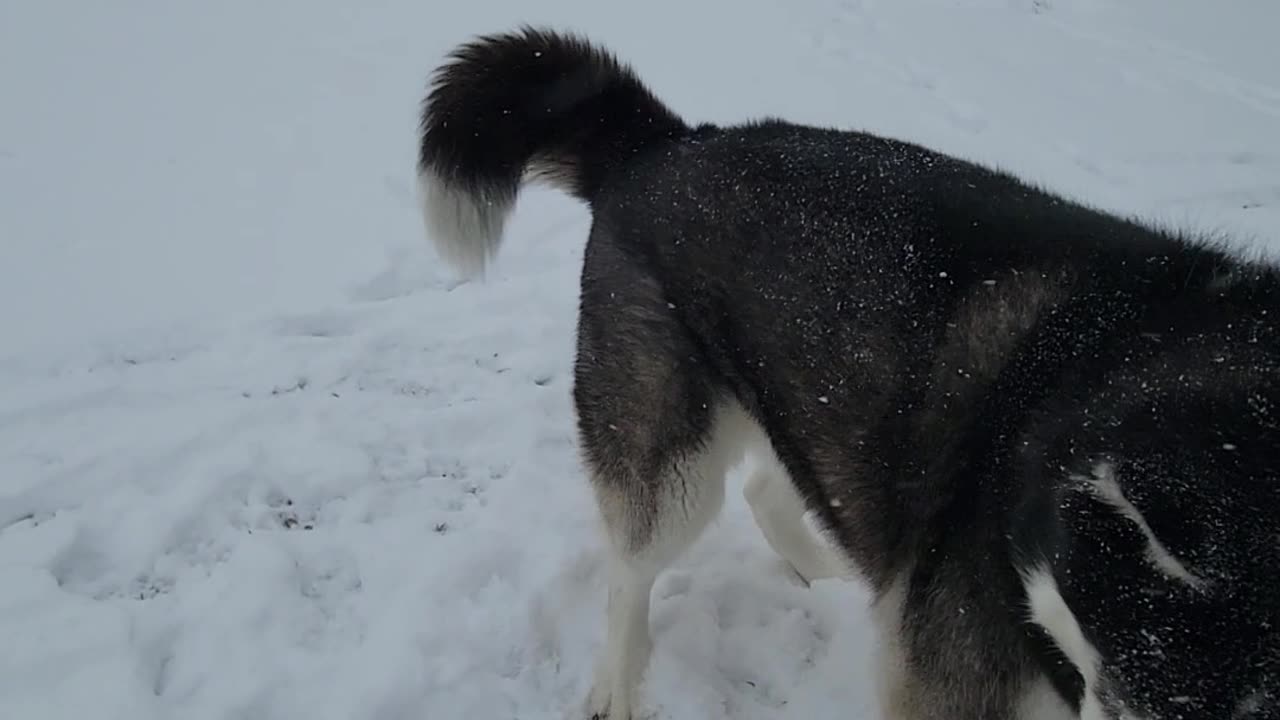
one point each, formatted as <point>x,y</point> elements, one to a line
<point>658,434</point>
<point>650,525</point>
<point>779,512</point>
<point>653,513</point>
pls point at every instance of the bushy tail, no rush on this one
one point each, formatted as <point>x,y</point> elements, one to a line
<point>535,101</point>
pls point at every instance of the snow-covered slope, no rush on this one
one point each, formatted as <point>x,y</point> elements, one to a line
<point>260,457</point>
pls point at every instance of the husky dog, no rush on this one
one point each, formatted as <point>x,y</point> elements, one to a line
<point>1046,437</point>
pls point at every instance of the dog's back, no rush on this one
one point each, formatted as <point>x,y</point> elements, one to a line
<point>1043,434</point>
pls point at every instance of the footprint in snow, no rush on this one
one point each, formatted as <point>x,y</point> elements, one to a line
<point>316,325</point>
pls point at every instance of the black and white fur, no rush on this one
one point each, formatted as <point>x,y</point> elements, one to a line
<point>1044,435</point>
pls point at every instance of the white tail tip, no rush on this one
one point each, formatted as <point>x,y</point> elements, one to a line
<point>464,225</point>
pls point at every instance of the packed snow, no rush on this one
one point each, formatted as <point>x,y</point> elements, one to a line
<point>262,456</point>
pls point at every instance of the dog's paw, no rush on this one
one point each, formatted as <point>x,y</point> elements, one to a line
<point>604,703</point>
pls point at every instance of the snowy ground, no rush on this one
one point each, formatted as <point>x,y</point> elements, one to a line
<point>261,458</point>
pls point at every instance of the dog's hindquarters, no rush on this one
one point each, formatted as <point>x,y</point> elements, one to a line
<point>658,428</point>
<point>658,434</point>
<point>659,431</point>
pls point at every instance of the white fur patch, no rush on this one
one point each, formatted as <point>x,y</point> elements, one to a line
<point>1049,610</point>
<point>1042,702</point>
<point>1105,487</point>
<point>779,512</point>
<point>464,226</point>
<point>893,688</point>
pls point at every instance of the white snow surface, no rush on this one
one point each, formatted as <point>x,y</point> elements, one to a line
<point>262,457</point>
